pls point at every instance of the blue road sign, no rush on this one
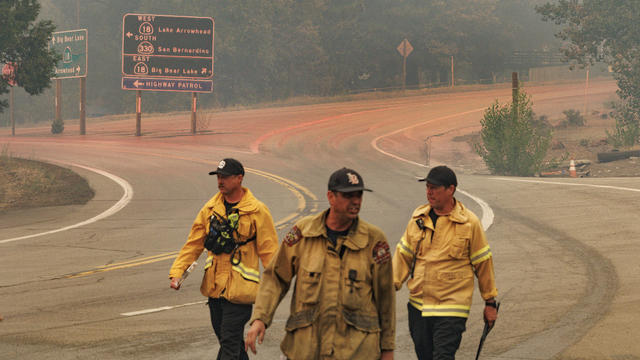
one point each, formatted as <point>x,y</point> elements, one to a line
<point>156,84</point>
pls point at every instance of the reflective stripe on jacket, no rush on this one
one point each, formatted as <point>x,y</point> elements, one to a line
<point>343,307</point>
<point>237,281</point>
<point>445,262</point>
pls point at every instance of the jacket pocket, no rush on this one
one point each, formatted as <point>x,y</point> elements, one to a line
<point>355,290</point>
<point>301,338</point>
<point>361,321</point>
<point>301,319</point>
<point>243,285</point>
<point>245,229</point>
<point>309,284</point>
<point>244,276</point>
<point>459,248</point>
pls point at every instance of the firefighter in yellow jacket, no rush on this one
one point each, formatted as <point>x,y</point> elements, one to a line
<point>343,305</point>
<point>442,248</point>
<point>238,231</point>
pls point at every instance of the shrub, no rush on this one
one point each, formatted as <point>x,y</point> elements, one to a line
<point>513,142</point>
<point>574,118</point>
<point>627,128</point>
<point>57,126</point>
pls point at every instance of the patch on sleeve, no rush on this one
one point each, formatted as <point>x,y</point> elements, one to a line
<point>381,253</point>
<point>293,236</point>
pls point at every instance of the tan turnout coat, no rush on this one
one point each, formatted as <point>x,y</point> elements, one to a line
<point>343,307</point>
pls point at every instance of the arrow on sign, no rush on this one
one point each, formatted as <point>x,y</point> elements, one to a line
<point>78,69</point>
<point>129,34</point>
<point>137,83</point>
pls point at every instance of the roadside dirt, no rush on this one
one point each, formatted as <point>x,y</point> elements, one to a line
<point>27,184</point>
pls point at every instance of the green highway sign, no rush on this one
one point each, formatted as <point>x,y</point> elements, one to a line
<point>72,45</point>
<point>167,46</point>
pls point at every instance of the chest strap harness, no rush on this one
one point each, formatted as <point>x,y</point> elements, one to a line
<point>220,238</point>
<point>423,228</point>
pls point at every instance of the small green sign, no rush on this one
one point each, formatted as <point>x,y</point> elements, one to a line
<point>72,45</point>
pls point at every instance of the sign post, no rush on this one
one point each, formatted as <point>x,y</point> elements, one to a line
<point>58,101</point>
<point>138,113</point>
<point>404,49</point>
<point>83,107</point>
<point>194,100</point>
<point>9,73</point>
<point>167,53</point>
<point>72,45</point>
<point>11,112</point>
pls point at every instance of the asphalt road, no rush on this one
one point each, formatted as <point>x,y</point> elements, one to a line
<point>91,281</point>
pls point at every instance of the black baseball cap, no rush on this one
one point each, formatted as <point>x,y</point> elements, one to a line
<point>441,175</point>
<point>228,167</point>
<point>346,180</point>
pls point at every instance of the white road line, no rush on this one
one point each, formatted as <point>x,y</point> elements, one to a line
<point>487,212</point>
<point>570,184</point>
<point>124,201</point>
<point>149,311</point>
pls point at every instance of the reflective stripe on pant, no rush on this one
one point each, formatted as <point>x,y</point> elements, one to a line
<point>435,337</point>
<point>228,320</point>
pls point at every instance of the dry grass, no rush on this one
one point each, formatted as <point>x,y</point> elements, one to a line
<point>28,183</point>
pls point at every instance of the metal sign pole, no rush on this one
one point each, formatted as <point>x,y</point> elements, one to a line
<point>404,49</point>
<point>58,100</point>
<point>194,100</point>
<point>404,73</point>
<point>83,97</point>
<point>11,111</point>
<point>404,65</point>
<point>138,112</point>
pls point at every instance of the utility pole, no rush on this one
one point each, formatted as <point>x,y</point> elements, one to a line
<point>452,77</point>
<point>515,92</point>
<point>586,88</point>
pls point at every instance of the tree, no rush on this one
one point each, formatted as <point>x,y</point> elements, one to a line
<point>24,42</point>
<point>604,30</point>
<point>272,50</point>
<point>512,144</point>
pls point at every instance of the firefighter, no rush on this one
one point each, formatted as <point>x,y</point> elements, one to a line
<point>343,305</point>
<point>442,248</point>
<point>238,231</point>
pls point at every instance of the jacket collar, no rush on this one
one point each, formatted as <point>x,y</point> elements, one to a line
<point>248,203</point>
<point>458,214</point>
<point>357,238</point>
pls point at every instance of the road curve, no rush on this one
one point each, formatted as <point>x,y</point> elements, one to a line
<point>563,288</point>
